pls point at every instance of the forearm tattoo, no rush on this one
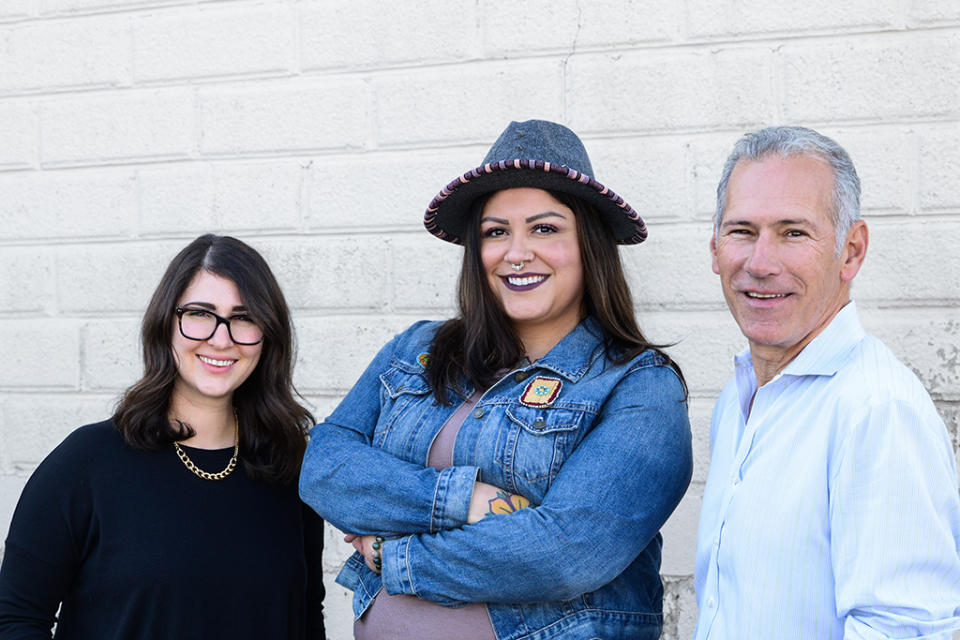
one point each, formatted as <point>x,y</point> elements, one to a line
<point>506,503</point>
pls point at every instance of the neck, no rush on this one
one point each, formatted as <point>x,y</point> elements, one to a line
<point>537,339</point>
<point>770,360</point>
<point>213,425</point>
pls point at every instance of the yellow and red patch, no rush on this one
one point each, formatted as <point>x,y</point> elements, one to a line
<point>541,392</point>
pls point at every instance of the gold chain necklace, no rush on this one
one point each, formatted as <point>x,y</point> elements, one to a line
<point>200,473</point>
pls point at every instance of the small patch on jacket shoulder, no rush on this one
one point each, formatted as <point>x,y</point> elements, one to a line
<point>423,359</point>
<point>541,392</point>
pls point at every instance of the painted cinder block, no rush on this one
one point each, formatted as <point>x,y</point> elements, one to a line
<point>672,268</point>
<point>368,33</point>
<point>737,18</point>
<point>111,353</point>
<point>176,199</point>
<point>18,135</point>
<point>932,12</point>
<point>336,272</point>
<point>680,534</point>
<point>335,350</point>
<point>886,159</point>
<point>257,196</point>
<point>111,127</point>
<point>39,422</point>
<point>380,191</point>
<point>939,187</point>
<point>82,52</point>
<point>278,116</point>
<point>567,26</point>
<point>425,271</point>
<point>889,76</point>
<point>68,204</point>
<point>661,90</point>
<point>424,107</point>
<point>27,282</point>
<point>703,341</point>
<point>40,353</point>
<point>89,277</point>
<point>195,42</point>
<point>13,9</point>
<point>928,343</point>
<point>913,262</point>
<point>649,172</point>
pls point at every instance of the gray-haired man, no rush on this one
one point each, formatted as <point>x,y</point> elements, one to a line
<point>831,509</point>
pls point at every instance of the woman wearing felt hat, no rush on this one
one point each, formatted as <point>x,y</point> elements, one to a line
<point>505,474</point>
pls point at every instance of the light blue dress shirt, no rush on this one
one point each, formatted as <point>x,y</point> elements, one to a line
<point>831,509</point>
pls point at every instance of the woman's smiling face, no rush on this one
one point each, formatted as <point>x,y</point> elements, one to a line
<point>531,227</point>
<point>210,370</point>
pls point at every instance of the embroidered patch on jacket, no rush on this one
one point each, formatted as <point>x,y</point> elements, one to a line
<point>541,392</point>
<point>423,359</point>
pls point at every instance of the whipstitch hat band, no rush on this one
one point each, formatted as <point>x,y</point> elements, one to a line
<point>446,215</point>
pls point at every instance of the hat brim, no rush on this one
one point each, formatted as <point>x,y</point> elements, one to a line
<point>449,212</point>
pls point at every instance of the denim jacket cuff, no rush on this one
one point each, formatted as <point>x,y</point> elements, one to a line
<point>395,572</point>
<point>451,502</point>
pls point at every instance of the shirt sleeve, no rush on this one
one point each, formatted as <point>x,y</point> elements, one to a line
<point>362,490</point>
<point>42,554</point>
<point>610,499</point>
<point>895,522</point>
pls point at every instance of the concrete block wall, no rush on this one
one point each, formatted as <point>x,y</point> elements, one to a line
<point>318,131</point>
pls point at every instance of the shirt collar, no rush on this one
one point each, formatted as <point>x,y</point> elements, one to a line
<point>576,351</point>
<point>822,357</point>
<point>826,352</point>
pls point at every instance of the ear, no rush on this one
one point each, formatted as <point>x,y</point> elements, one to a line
<point>854,250</point>
<point>713,252</point>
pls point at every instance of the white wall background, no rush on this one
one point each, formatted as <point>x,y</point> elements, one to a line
<point>318,131</point>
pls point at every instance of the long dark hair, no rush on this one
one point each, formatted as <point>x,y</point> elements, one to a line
<point>272,423</point>
<point>481,340</point>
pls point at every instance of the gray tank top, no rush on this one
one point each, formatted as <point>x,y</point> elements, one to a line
<point>402,617</point>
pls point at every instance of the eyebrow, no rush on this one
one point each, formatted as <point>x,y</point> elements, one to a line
<point>779,223</point>
<point>211,307</point>
<point>533,218</point>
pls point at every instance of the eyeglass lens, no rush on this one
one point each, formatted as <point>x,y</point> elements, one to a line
<point>198,324</point>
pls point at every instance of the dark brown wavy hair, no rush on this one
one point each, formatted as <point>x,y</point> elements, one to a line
<point>273,423</point>
<point>481,340</point>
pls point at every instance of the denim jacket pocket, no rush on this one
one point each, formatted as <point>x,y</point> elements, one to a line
<point>537,440</point>
<point>405,390</point>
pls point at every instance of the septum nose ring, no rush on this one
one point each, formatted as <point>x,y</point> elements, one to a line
<point>516,267</point>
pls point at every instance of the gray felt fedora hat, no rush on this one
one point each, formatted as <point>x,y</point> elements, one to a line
<point>539,154</point>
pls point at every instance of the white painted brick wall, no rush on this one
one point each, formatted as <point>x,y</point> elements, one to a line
<point>318,131</point>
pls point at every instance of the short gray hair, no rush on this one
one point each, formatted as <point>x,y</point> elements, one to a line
<point>799,141</point>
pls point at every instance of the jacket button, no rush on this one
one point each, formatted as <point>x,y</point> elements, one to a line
<point>539,423</point>
<point>521,376</point>
<point>478,413</point>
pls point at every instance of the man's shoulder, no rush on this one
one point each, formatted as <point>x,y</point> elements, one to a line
<point>872,370</point>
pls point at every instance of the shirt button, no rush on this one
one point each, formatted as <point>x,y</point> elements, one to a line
<point>478,413</point>
<point>539,423</point>
<point>711,603</point>
<point>521,376</point>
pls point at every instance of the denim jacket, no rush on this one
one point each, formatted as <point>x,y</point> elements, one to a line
<point>601,450</point>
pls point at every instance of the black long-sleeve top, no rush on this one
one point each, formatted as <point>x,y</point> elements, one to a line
<point>131,545</point>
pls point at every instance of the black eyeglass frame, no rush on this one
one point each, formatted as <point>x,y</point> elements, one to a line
<point>220,320</point>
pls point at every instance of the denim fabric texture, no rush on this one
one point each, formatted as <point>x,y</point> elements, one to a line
<point>603,464</point>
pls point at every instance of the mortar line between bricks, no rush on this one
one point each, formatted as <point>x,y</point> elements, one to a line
<point>777,38</point>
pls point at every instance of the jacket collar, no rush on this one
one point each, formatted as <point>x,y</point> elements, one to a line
<point>576,351</point>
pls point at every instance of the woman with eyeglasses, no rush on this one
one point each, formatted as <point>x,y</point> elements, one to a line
<point>179,517</point>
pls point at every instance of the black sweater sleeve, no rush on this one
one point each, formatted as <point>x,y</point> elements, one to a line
<point>313,548</point>
<point>43,547</point>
